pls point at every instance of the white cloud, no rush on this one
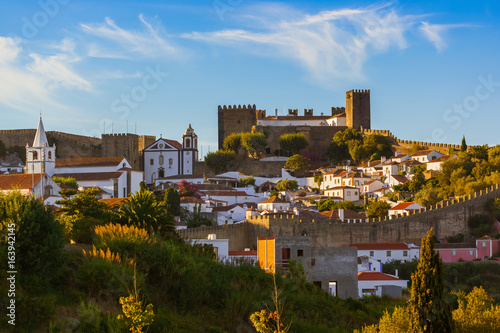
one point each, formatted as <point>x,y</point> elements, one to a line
<point>151,43</point>
<point>434,32</point>
<point>331,45</point>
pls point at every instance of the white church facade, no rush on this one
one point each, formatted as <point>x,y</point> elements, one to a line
<point>166,158</point>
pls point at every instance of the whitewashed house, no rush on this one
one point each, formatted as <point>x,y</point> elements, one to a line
<point>384,252</point>
<point>232,196</point>
<point>166,158</point>
<point>425,156</point>
<point>380,284</point>
<point>273,203</point>
<point>221,246</point>
<point>344,192</point>
<point>372,186</point>
<point>436,164</point>
<point>404,208</point>
<point>32,185</point>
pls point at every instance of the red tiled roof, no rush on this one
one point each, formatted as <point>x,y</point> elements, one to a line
<point>422,153</point>
<point>227,194</point>
<point>226,208</point>
<point>402,205</point>
<point>400,178</point>
<point>174,143</point>
<point>242,253</point>
<point>273,199</point>
<point>87,162</point>
<point>375,276</point>
<point>20,181</point>
<point>380,246</point>
<point>348,214</point>
<point>87,176</point>
<point>411,162</point>
<point>343,114</point>
<point>455,246</point>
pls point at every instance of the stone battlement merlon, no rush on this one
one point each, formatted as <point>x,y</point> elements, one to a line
<point>237,108</point>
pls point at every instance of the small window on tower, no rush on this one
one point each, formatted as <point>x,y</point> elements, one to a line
<point>188,142</point>
<point>35,155</point>
<point>152,161</point>
<point>50,155</point>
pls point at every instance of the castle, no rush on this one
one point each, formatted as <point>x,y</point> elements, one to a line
<point>318,129</point>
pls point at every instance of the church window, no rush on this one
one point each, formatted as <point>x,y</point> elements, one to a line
<point>152,161</point>
<point>161,160</point>
<point>161,173</point>
<point>170,161</point>
<point>188,143</point>
<point>35,155</point>
<point>50,155</point>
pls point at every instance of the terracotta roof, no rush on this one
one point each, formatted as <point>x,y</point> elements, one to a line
<point>402,205</point>
<point>91,175</point>
<point>20,181</point>
<point>310,214</point>
<point>226,208</point>
<point>348,214</point>
<point>298,118</point>
<point>392,163</point>
<point>411,162</point>
<point>88,162</point>
<point>455,246</point>
<point>191,200</point>
<point>375,276</point>
<point>422,153</point>
<point>227,194</point>
<point>343,114</point>
<point>113,202</point>
<point>441,159</point>
<point>380,246</point>
<point>400,178</point>
<point>242,253</point>
<point>174,143</point>
<point>273,199</point>
<point>342,187</point>
<point>371,182</point>
<point>334,172</point>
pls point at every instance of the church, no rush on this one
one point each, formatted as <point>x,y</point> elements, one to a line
<point>166,158</point>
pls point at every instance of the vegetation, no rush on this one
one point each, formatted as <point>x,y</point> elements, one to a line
<point>221,161</point>
<point>246,181</point>
<point>293,142</point>
<point>187,189</point>
<point>349,144</point>
<point>172,202</point>
<point>327,204</point>
<point>232,142</point>
<point>287,185</point>
<point>298,163</point>
<point>254,143</point>
<point>378,209</point>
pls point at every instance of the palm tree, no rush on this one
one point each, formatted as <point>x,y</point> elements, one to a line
<point>142,209</point>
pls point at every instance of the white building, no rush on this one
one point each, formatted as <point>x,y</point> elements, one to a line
<point>40,158</point>
<point>385,252</point>
<point>344,192</point>
<point>425,156</point>
<point>221,246</point>
<point>380,284</point>
<point>404,208</point>
<point>166,158</point>
<point>273,203</point>
<point>436,164</point>
<point>32,185</point>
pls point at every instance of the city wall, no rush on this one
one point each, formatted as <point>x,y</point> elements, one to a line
<point>447,218</point>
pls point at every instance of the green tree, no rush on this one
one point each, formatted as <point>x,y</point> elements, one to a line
<point>39,238</point>
<point>429,195</point>
<point>254,143</point>
<point>376,143</point>
<point>233,142</point>
<point>220,161</point>
<point>187,189</point>
<point>428,309</point>
<point>416,182</point>
<point>172,202</point>
<point>479,153</point>
<point>293,142</point>
<point>378,209</point>
<point>494,157</point>
<point>287,185</point>
<point>246,181</point>
<point>463,146</point>
<point>142,209</point>
<point>298,163</point>
<point>68,181</point>
<point>339,147</point>
<point>326,204</point>
<point>85,204</point>
<point>318,179</point>
<point>476,312</point>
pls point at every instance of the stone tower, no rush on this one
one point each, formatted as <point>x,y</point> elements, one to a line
<point>189,151</point>
<point>235,119</point>
<point>40,158</point>
<point>358,109</point>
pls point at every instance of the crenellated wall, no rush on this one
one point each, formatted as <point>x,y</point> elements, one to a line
<point>448,218</point>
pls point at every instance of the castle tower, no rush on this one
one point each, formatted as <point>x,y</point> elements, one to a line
<point>189,151</point>
<point>236,119</point>
<point>358,109</point>
<point>40,158</point>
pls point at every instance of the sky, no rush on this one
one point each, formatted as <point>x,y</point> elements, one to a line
<point>153,67</point>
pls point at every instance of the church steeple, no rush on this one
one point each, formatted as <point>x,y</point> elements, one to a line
<point>40,136</point>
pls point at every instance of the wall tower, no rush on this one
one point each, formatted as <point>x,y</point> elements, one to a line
<point>358,109</point>
<point>235,119</point>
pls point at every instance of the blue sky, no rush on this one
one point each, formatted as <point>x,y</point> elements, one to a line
<point>432,66</point>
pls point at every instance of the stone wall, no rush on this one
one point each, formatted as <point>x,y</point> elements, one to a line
<point>447,218</point>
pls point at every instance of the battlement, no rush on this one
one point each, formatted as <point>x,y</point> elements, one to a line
<point>293,112</point>
<point>237,108</point>
<point>261,114</point>
<point>337,110</point>
<point>361,91</point>
<point>18,131</point>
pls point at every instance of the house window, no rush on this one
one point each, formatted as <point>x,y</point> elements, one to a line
<point>300,253</point>
<point>170,161</point>
<point>332,288</point>
<point>160,159</point>
<point>471,252</point>
<point>348,192</point>
<point>405,253</point>
<point>372,253</point>
<point>355,192</point>
<point>483,244</point>
<point>454,252</point>
<point>388,253</point>
<point>313,261</point>
<point>151,161</point>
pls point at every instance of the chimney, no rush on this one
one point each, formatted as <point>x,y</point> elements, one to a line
<point>276,113</point>
<point>341,214</point>
<point>382,159</point>
<point>398,153</point>
<point>369,163</point>
<point>396,273</point>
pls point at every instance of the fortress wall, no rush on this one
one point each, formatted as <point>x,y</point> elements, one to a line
<point>447,218</point>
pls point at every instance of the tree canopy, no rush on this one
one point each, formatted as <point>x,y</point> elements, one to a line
<point>287,185</point>
<point>293,142</point>
<point>220,161</point>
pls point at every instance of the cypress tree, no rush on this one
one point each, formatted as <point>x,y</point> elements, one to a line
<point>463,147</point>
<point>427,307</point>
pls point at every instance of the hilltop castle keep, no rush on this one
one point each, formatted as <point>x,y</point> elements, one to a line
<point>318,129</point>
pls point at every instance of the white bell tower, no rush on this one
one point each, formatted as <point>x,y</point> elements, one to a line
<point>189,151</point>
<point>40,158</point>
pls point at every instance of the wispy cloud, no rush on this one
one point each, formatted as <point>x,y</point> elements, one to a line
<point>151,42</point>
<point>434,32</point>
<point>330,45</point>
<point>29,80</point>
